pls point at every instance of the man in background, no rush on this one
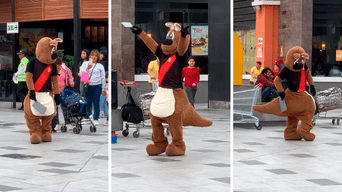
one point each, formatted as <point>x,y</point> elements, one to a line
<point>20,74</point>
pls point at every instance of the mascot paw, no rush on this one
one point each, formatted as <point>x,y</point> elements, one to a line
<point>292,136</point>
<point>156,149</point>
<point>173,150</point>
<point>47,137</point>
<point>35,138</point>
<point>306,135</point>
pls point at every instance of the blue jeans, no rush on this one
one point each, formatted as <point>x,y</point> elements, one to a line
<point>93,97</point>
<point>267,91</point>
<point>104,104</point>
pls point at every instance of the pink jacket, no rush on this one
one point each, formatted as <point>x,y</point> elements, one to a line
<point>65,77</point>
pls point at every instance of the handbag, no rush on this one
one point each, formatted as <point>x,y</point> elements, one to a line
<point>85,77</point>
<point>86,85</point>
<point>130,111</point>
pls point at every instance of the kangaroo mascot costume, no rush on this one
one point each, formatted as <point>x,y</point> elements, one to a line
<point>170,104</point>
<point>300,105</point>
<point>42,83</point>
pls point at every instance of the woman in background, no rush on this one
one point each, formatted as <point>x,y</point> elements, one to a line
<point>84,57</point>
<point>65,78</point>
<point>97,84</point>
<point>191,76</point>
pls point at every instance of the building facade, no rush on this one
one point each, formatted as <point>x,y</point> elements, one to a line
<point>130,57</point>
<point>80,23</point>
<point>313,24</point>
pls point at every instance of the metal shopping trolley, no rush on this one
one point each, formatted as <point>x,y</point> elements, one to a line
<point>325,101</point>
<point>243,102</point>
<point>132,96</point>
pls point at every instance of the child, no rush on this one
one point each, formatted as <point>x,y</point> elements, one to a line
<point>106,102</point>
<point>276,70</point>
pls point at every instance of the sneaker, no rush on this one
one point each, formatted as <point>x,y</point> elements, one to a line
<point>84,121</point>
<point>68,127</point>
<point>56,128</point>
<point>96,122</point>
<point>105,123</point>
<point>21,108</point>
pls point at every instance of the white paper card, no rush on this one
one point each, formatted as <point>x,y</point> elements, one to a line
<point>127,24</point>
<point>282,105</point>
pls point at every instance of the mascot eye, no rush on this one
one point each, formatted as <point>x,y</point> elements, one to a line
<point>172,35</point>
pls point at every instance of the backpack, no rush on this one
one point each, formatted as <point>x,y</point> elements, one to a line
<point>130,111</point>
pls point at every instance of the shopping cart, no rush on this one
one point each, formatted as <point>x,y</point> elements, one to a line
<point>243,102</point>
<point>328,100</point>
<point>130,87</point>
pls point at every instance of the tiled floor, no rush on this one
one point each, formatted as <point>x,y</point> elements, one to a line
<point>205,166</point>
<point>70,162</point>
<point>264,161</point>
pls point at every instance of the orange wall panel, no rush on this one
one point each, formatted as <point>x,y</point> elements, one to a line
<point>5,11</point>
<point>94,9</point>
<point>58,9</point>
<point>28,10</point>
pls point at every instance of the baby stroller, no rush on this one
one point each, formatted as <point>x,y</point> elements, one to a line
<point>76,110</point>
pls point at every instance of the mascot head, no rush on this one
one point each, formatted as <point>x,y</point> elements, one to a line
<point>46,51</point>
<point>295,59</point>
<point>171,45</point>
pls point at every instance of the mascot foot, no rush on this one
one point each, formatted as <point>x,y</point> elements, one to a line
<point>35,138</point>
<point>47,137</point>
<point>156,149</point>
<point>306,135</point>
<point>173,150</point>
<point>292,136</point>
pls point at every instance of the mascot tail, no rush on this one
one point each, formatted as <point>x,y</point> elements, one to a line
<point>273,107</point>
<point>192,118</point>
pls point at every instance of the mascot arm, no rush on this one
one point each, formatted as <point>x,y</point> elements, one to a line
<point>183,45</point>
<point>150,43</point>
<point>29,75</point>
<point>309,77</point>
<point>278,85</point>
<point>184,41</point>
<point>29,81</point>
<point>55,85</point>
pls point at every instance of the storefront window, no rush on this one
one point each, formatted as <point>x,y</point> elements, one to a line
<point>247,38</point>
<point>327,38</point>
<point>152,16</point>
<point>6,66</point>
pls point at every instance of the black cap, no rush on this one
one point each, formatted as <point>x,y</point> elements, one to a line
<point>23,51</point>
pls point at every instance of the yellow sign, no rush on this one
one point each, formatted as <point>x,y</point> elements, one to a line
<point>338,55</point>
<point>238,61</point>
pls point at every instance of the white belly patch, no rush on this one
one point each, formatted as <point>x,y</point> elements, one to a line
<point>163,103</point>
<point>46,100</point>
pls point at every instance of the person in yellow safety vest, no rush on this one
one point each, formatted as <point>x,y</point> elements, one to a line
<point>20,74</point>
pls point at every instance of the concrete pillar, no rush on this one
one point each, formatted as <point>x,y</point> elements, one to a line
<point>219,54</point>
<point>266,33</point>
<point>123,39</point>
<point>295,26</point>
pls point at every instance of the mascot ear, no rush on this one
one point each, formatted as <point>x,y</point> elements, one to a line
<point>58,40</point>
<point>178,27</point>
<point>305,55</point>
<point>296,56</point>
<point>169,25</point>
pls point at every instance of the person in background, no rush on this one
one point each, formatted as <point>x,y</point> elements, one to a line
<point>265,80</point>
<point>276,69</point>
<point>152,70</point>
<point>255,71</point>
<point>20,74</point>
<point>105,105</point>
<point>103,59</point>
<point>97,85</point>
<point>191,76</point>
<point>84,58</point>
